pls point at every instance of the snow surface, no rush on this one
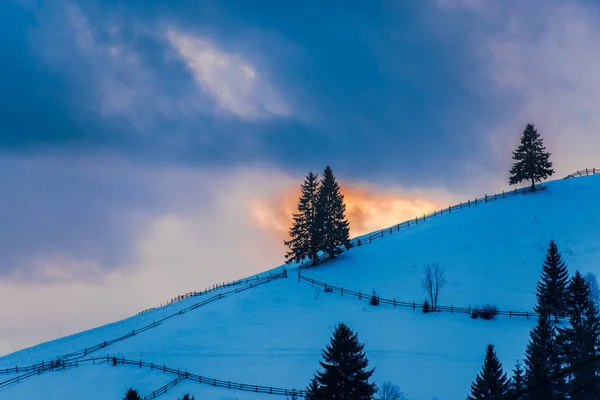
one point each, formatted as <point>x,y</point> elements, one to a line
<point>273,335</point>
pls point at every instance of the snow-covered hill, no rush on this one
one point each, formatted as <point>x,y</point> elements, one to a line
<point>272,334</point>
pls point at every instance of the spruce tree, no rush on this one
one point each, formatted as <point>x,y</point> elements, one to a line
<point>517,382</point>
<point>345,375</point>
<point>552,287</point>
<point>579,341</point>
<point>303,242</point>
<point>542,361</point>
<point>532,162</point>
<point>132,394</point>
<point>332,226</point>
<point>491,383</point>
<point>313,391</point>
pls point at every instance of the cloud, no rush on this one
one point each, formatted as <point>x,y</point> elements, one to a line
<point>234,84</point>
<point>140,237</point>
<point>368,208</point>
<point>538,63</point>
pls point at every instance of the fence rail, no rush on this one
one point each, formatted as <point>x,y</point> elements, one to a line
<point>413,305</point>
<point>163,389</point>
<point>583,172</point>
<point>64,365</point>
<point>213,288</point>
<point>368,238</point>
<point>89,350</point>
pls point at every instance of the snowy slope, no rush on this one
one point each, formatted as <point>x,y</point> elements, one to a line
<point>272,335</point>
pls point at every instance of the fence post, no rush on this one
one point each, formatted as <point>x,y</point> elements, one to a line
<point>359,296</point>
<point>342,291</point>
<point>527,314</point>
<point>382,233</point>
<point>486,198</point>
<point>140,363</point>
<point>416,220</point>
<point>515,191</point>
<point>394,302</point>
<point>509,314</point>
<point>503,196</point>
<point>451,310</point>
<point>475,201</point>
<point>586,171</point>
<point>469,310</point>
<point>413,305</point>
<point>370,238</point>
<point>461,205</point>
<point>398,227</point>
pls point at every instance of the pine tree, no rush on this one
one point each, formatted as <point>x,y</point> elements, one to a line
<point>579,341</point>
<point>517,382</point>
<point>303,231</point>
<point>552,287</point>
<point>532,162</point>
<point>345,375</point>
<point>132,394</point>
<point>542,361</point>
<point>491,383</point>
<point>332,226</point>
<point>313,391</point>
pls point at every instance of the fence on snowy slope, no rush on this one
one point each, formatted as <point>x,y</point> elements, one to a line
<point>583,172</point>
<point>87,351</point>
<point>218,286</point>
<point>413,305</point>
<point>163,389</point>
<point>64,365</point>
<point>368,238</point>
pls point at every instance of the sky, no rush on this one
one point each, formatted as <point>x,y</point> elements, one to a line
<point>150,148</point>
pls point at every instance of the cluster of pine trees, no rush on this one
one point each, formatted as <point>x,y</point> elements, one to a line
<point>320,223</point>
<point>561,362</point>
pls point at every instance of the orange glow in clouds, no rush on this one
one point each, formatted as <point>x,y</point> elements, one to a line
<point>366,209</point>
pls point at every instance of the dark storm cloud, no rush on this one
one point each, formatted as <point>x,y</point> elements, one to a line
<point>364,83</point>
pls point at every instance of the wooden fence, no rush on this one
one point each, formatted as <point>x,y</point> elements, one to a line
<point>181,375</point>
<point>411,305</point>
<point>368,238</point>
<point>215,287</point>
<point>583,172</point>
<point>89,350</point>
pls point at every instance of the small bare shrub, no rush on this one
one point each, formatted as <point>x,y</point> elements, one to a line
<point>389,391</point>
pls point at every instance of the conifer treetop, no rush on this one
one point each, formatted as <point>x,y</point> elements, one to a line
<point>532,162</point>
<point>491,383</point>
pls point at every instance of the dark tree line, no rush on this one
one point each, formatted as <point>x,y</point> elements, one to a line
<point>320,223</point>
<point>561,362</point>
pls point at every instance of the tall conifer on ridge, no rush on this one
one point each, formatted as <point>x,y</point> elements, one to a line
<point>333,229</point>
<point>303,236</point>
<point>532,162</point>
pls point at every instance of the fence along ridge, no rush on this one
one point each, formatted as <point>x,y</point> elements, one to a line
<point>413,305</point>
<point>215,287</point>
<point>87,351</point>
<point>369,237</point>
<point>62,365</point>
<point>583,172</point>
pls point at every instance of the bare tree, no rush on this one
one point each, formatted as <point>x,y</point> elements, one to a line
<point>432,282</point>
<point>389,391</point>
<point>592,282</point>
